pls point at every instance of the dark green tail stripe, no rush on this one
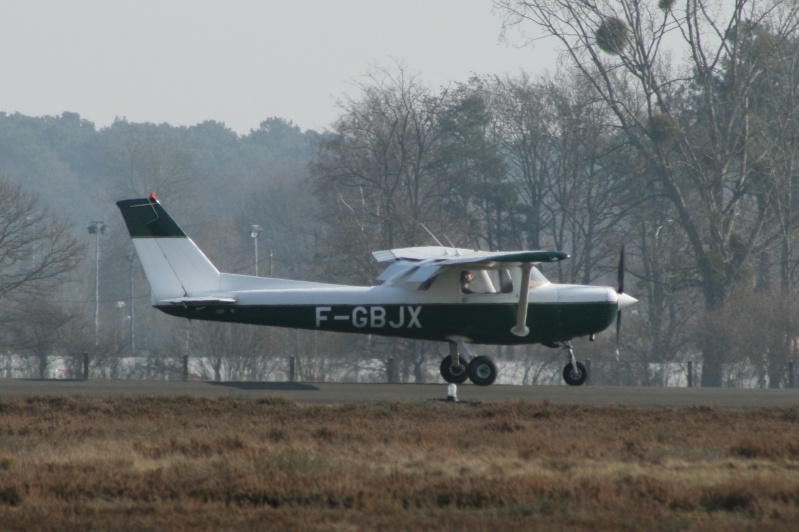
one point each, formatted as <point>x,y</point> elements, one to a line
<point>146,218</point>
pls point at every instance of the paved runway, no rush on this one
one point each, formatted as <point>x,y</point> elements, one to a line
<point>371,393</point>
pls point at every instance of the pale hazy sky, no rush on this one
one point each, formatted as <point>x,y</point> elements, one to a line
<point>236,61</point>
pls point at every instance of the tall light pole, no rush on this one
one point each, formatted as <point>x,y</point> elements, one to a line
<point>256,230</point>
<point>96,228</point>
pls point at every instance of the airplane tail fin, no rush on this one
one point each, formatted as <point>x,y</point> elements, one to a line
<point>173,264</point>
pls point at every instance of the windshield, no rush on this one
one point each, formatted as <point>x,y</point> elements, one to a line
<point>537,278</point>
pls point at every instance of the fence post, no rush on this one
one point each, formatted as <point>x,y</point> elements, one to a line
<point>690,373</point>
<point>791,374</point>
<point>390,370</point>
<point>185,368</point>
<point>292,368</point>
<point>85,365</point>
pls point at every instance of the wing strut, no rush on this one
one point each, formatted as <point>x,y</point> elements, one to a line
<point>521,329</point>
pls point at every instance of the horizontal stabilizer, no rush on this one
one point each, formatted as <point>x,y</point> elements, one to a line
<point>199,301</point>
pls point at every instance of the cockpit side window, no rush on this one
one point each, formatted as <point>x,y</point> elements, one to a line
<point>494,281</point>
<point>505,281</point>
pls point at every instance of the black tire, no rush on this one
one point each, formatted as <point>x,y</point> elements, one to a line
<point>453,375</point>
<point>575,377</point>
<point>482,370</point>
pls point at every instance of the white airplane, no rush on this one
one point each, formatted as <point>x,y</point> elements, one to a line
<point>452,295</point>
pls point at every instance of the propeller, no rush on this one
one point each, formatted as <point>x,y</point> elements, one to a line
<point>619,291</point>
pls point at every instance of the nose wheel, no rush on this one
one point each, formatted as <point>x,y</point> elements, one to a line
<point>575,376</point>
<point>575,373</point>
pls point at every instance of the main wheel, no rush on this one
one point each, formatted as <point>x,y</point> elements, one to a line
<point>482,370</point>
<point>456,375</point>
<point>575,376</point>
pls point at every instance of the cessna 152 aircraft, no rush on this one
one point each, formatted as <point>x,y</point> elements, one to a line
<point>447,294</point>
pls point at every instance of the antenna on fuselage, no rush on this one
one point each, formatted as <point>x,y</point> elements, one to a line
<point>429,232</point>
<point>449,241</point>
<point>457,251</point>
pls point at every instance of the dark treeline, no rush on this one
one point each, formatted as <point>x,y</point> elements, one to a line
<point>218,184</point>
<point>683,149</point>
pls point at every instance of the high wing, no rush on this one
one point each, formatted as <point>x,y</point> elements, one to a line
<point>420,264</point>
<point>447,256</point>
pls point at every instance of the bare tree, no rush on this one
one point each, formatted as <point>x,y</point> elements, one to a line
<point>235,352</point>
<point>37,248</point>
<point>382,174</point>
<point>292,230</point>
<point>691,126</point>
<point>522,130</point>
<point>486,202</point>
<point>144,159</point>
<point>41,330</point>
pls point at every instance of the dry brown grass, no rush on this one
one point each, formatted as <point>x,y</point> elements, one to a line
<point>189,463</point>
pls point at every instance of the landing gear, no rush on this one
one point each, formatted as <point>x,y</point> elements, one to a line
<point>453,374</point>
<point>460,365</point>
<point>482,370</point>
<point>575,376</point>
<point>575,373</point>
<point>453,367</point>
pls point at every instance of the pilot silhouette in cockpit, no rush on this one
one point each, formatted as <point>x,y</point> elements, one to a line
<point>466,280</point>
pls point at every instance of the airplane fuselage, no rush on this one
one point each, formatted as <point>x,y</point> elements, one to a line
<point>482,319</point>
